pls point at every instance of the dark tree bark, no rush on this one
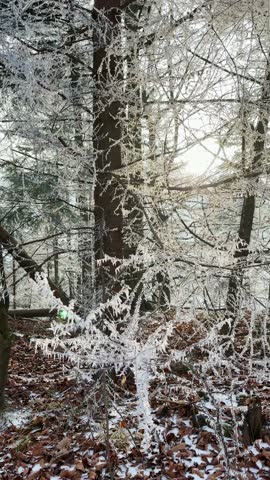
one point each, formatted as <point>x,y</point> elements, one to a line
<point>31,313</point>
<point>252,426</point>
<point>248,210</point>
<point>107,135</point>
<point>4,332</point>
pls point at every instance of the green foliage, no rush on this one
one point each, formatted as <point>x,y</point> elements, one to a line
<point>34,198</point>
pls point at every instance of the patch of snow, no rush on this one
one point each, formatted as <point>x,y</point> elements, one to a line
<point>16,418</point>
<point>262,444</point>
<point>228,400</point>
<point>210,468</point>
<point>189,440</point>
<point>36,468</point>
<point>196,460</point>
<point>208,429</point>
<point>253,450</point>
<point>68,468</point>
<point>20,470</point>
<point>194,476</point>
<point>133,471</point>
<point>253,470</point>
<point>202,452</point>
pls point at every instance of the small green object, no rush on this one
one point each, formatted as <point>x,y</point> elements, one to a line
<point>63,315</point>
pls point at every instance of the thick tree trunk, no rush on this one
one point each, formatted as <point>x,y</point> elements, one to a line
<point>252,426</point>
<point>240,254</point>
<point>4,331</point>
<point>248,210</point>
<point>4,352</point>
<point>27,263</point>
<point>107,135</point>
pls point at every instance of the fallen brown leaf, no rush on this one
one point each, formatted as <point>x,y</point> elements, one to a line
<point>64,444</point>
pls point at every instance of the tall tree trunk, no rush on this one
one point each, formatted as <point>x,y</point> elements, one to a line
<point>56,261</point>
<point>107,134</point>
<point>4,332</point>
<point>4,351</point>
<point>14,283</point>
<point>248,210</point>
<point>133,222</point>
<point>79,143</point>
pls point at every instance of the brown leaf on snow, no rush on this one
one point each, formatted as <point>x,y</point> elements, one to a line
<point>215,475</point>
<point>65,473</point>
<point>170,437</point>
<point>37,449</point>
<point>100,466</point>
<point>174,470</point>
<point>185,454</point>
<point>79,466</point>
<point>198,472</point>
<point>64,444</point>
<point>176,448</point>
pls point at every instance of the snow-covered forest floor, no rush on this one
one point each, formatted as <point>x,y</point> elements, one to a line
<point>55,428</point>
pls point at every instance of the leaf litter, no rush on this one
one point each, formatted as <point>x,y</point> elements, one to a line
<point>54,429</point>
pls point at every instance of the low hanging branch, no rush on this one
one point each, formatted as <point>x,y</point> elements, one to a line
<point>27,263</point>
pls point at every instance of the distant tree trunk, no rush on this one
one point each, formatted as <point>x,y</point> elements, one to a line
<point>133,222</point>
<point>4,332</point>
<point>85,177</point>
<point>107,134</point>
<point>56,261</point>
<point>14,282</point>
<point>248,210</point>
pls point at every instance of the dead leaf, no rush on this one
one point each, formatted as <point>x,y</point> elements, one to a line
<point>38,449</point>
<point>215,475</point>
<point>170,437</point>
<point>64,444</point>
<point>79,466</point>
<point>92,475</point>
<point>176,448</point>
<point>67,473</point>
<point>100,466</point>
<point>198,472</point>
<point>266,453</point>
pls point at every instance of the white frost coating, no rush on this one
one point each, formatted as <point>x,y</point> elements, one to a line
<point>141,370</point>
<point>96,349</point>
